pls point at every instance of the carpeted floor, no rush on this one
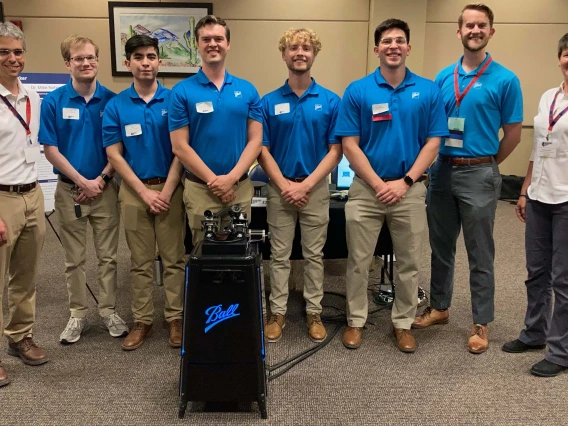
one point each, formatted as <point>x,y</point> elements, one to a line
<point>94,382</point>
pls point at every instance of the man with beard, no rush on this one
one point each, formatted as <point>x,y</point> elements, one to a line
<point>480,97</point>
<point>22,220</point>
<point>137,141</point>
<point>215,124</point>
<point>300,150</point>
<point>391,123</point>
<point>71,131</point>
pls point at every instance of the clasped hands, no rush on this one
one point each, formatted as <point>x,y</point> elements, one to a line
<point>391,192</point>
<point>296,193</point>
<point>222,187</point>
<point>90,190</point>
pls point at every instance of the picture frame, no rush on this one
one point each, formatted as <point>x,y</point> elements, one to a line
<point>171,23</point>
<point>1,12</point>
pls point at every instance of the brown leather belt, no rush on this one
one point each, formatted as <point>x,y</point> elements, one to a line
<point>192,178</point>
<point>298,179</point>
<point>153,181</point>
<point>465,161</point>
<point>65,179</point>
<point>19,189</point>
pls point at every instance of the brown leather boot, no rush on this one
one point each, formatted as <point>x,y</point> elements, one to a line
<point>136,336</point>
<point>175,328</point>
<point>405,340</point>
<point>316,330</point>
<point>479,340</point>
<point>430,317</point>
<point>4,379</point>
<point>352,337</point>
<point>28,351</point>
<point>273,330</point>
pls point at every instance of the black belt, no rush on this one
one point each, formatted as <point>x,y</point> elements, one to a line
<point>153,181</point>
<point>65,179</point>
<point>465,161</point>
<point>19,189</point>
<point>192,178</point>
<point>420,179</point>
<point>296,179</point>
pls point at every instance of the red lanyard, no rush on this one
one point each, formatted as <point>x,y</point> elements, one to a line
<point>26,123</point>
<point>551,119</point>
<point>459,97</point>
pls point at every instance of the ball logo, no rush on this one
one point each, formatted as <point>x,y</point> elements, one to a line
<point>215,314</point>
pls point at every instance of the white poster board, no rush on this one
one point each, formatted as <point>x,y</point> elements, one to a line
<point>44,83</point>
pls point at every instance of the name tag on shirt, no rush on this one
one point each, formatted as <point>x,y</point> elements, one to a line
<point>204,107</point>
<point>133,129</point>
<point>547,149</point>
<point>70,114</point>
<point>282,109</point>
<point>380,108</point>
<point>456,126</point>
<point>32,154</point>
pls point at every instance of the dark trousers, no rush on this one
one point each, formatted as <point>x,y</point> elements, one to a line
<point>463,197</point>
<point>546,245</point>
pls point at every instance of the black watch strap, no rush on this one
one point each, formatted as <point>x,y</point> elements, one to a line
<point>408,180</point>
<point>106,178</point>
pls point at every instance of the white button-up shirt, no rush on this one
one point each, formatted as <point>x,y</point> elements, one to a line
<point>549,183</point>
<point>14,170</point>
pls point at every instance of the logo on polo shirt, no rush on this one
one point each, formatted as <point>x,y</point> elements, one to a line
<point>318,107</point>
<point>102,112</point>
<point>164,112</point>
<point>238,94</point>
<point>477,85</point>
<point>415,95</point>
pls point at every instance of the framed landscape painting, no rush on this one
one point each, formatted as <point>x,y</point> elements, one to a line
<point>173,24</point>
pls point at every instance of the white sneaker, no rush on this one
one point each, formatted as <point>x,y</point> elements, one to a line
<point>115,325</point>
<point>72,333</point>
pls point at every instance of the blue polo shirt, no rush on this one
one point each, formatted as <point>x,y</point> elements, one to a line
<point>143,129</point>
<point>75,127</point>
<point>298,130</point>
<point>217,119</point>
<point>495,99</point>
<point>392,146</point>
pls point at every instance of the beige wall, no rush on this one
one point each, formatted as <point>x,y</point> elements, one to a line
<point>525,41</point>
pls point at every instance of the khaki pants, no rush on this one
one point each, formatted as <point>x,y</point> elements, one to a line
<point>282,218</point>
<point>103,216</point>
<point>364,216</point>
<point>23,215</point>
<point>198,198</point>
<point>143,230</point>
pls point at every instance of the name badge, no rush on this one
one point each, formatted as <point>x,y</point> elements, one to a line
<point>32,154</point>
<point>380,108</point>
<point>547,149</point>
<point>456,126</point>
<point>204,107</point>
<point>70,114</point>
<point>133,129</point>
<point>282,109</point>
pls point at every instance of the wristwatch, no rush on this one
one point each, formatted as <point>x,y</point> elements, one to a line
<point>106,178</point>
<point>409,181</point>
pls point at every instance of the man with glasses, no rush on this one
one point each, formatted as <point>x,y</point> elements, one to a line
<point>71,131</point>
<point>22,220</point>
<point>480,97</point>
<point>391,123</point>
<point>137,141</point>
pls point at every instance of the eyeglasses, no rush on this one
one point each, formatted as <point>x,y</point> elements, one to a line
<point>387,41</point>
<point>18,53</point>
<point>80,59</point>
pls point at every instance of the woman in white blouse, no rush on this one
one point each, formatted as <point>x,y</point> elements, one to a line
<point>543,206</point>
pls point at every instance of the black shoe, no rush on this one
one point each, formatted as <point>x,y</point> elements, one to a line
<point>546,368</point>
<point>517,347</point>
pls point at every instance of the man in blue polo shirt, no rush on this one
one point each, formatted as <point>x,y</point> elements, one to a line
<point>391,123</point>
<point>137,141</point>
<point>480,97</point>
<point>71,130</point>
<point>215,123</point>
<point>299,151</point>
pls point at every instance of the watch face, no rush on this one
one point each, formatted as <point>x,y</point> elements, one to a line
<point>408,180</point>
